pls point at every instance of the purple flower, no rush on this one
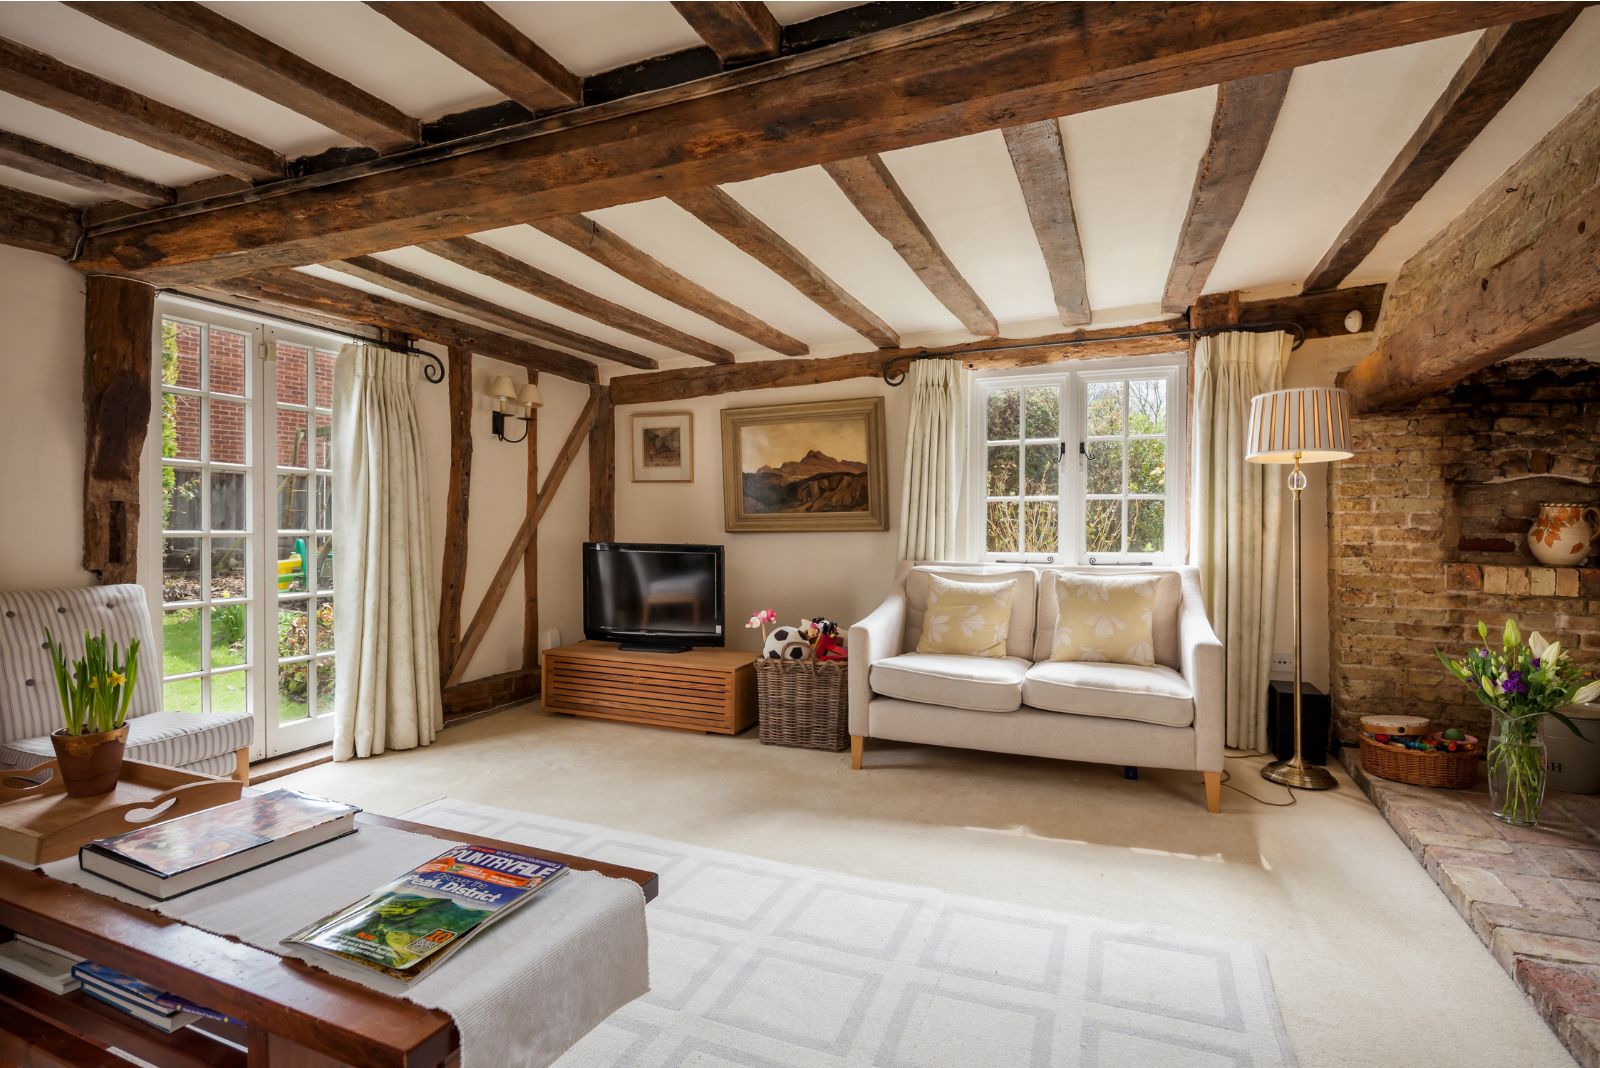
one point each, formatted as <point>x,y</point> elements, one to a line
<point>1536,663</point>
<point>1514,683</point>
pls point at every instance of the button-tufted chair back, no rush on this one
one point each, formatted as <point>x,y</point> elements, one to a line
<point>29,706</point>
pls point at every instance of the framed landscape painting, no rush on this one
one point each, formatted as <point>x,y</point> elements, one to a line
<point>805,467</point>
<point>663,447</point>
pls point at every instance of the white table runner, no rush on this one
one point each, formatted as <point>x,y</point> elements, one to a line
<point>563,962</point>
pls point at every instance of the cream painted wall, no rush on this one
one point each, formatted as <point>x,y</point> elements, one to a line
<point>840,575</point>
<point>41,422</point>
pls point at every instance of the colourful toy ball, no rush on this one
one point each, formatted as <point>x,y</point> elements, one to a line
<point>1454,734</point>
<point>1380,737</point>
<point>786,643</point>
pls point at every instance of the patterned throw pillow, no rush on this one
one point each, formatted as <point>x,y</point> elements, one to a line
<point>967,618</point>
<point>1109,618</point>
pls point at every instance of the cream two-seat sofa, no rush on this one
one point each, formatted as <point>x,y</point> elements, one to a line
<point>1168,715</point>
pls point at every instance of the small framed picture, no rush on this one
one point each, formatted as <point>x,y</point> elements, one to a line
<point>663,447</point>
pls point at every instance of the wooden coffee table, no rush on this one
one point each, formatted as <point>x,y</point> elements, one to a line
<point>296,1015</point>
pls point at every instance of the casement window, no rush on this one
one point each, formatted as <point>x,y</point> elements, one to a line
<point>1081,467</point>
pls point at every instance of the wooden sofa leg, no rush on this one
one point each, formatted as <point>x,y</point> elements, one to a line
<point>1213,791</point>
<point>241,765</point>
<point>857,744</point>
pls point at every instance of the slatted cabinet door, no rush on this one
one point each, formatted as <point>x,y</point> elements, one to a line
<point>707,690</point>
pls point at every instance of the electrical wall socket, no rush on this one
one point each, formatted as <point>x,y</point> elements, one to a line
<point>1283,662</point>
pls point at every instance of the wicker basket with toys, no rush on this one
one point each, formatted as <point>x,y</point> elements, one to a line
<point>801,683</point>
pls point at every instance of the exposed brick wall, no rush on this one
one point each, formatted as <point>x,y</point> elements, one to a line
<point>1428,535</point>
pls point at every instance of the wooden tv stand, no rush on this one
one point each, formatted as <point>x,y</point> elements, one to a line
<point>707,690</point>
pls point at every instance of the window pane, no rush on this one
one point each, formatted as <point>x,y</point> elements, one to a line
<point>230,692</point>
<point>322,630</point>
<point>228,504</point>
<point>180,493</point>
<point>1043,415</point>
<point>1147,530</point>
<point>325,362</point>
<point>324,502</point>
<point>1105,466</point>
<point>228,568</point>
<point>1147,466</point>
<point>182,695</point>
<point>324,563</point>
<point>225,362</point>
<point>292,502</point>
<point>291,439</point>
<point>293,700</point>
<point>180,427</point>
<point>324,452</point>
<point>180,569</point>
<point>1002,470</point>
<point>1044,469</point>
<point>1147,407</point>
<point>292,577</point>
<point>1102,526</point>
<point>1043,533</point>
<point>290,363</point>
<point>1105,407</point>
<point>1002,536</point>
<point>327,672</point>
<point>225,432</point>
<point>180,641</point>
<point>1004,414</point>
<point>182,366</point>
<point>227,635</point>
<point>294,633</point>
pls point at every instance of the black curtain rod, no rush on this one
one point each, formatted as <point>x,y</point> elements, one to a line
<point>895,377</point>
<point>432,368</point>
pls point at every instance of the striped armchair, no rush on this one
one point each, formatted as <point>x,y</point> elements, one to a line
<point>215,743</point>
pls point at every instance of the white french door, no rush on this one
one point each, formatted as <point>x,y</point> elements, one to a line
<point>241,573</point>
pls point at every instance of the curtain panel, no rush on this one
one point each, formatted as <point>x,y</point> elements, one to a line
<point>387,692</point>
<point>932,496</point>
<point>1238,511</point>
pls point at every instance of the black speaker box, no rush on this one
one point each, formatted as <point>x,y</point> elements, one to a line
<point>1316,715</point>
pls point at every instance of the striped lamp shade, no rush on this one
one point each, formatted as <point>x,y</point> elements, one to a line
<point>1310,425</point>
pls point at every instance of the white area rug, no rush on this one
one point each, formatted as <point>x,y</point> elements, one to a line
<point>755,964</point>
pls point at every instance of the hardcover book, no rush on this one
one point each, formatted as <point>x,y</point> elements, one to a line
<point>38,965</point>
<point>137,998</point>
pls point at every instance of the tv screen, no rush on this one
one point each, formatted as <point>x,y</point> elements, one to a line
<point>653,596</point>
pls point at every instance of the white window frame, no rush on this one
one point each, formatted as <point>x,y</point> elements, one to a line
<point>1073,383</point>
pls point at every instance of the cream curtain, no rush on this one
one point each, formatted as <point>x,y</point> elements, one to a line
<point>387,693</point>
<point>931,497</point>
<point>1238,508</point>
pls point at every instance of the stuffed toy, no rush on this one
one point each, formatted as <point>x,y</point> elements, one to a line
<point>786,643</point>
<point>831,647</point>
<point>813,629</point>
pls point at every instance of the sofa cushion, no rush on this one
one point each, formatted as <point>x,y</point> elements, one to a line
<point>978,683</point>
<point>1105,618</point>
<point>967,618</point>
<point>1156,694</point>
<point>176,739</point>
<point>1019,635</point>
<point>1169,603</point>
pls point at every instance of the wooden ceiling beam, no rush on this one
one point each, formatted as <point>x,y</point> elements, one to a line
<point>30,221</point>
<point>490,261</point>
<point>1241,126</point>
<point>88,98</point>
<point>739,31</point>
<point>741,228</point>
<point>1039,158</point>
<point>46,161</point>
<point>473,36</point>
<point>202,38</point>
<point>1498,65</point>
<point>583,234</point>
<point>880,200</point>
<point>415,285</point>
<point>974,68</point>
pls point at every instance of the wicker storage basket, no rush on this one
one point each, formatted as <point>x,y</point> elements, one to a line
<point>804,703</point>
<point>1452,771</point>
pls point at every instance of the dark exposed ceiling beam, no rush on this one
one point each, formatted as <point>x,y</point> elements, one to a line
<point>738,31</point>
<point>1039,158</point>
<point>42,224</point>
<point>46,161</point>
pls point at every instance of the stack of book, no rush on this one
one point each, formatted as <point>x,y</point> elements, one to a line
<point>40,964</point>
<point>158,1008</point>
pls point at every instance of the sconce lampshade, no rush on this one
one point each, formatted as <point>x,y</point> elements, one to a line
<point>1310,424</point>
<point>500,387</point>
<point>528,396</point>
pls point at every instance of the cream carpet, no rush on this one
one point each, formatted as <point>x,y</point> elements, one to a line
<point>755,963</point>
<point>1371,964</point>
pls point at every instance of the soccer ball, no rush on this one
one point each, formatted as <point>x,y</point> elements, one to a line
<point>786,643</point>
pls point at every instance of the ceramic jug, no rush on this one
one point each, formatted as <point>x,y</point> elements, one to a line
<point>1563,535</point>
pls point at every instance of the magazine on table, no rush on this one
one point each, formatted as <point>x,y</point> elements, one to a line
<point>407,927</point>
<point>157,1007</point>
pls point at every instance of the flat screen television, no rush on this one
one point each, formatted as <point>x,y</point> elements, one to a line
<point>656,597</point>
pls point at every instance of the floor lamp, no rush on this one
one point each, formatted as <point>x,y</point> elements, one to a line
<point>1295,426</point>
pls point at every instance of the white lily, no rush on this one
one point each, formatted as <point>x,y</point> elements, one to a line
<point>1587,694</point>
<point>1488,687</point>
<point>1537,645</point>
<point>1552,654</point>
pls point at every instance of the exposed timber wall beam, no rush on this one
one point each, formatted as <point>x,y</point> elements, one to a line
<point>473,36</point>
<point>878,197</point>
<point>602,469</point>
<point>201,37</point>
<point>741,228</point>
<point>453,576</point>
<point>41,224</point>
<point>1499,63</point>
<point>45,161</point>
<point>1519,268</point>
<point>119,318</point>
<point>490,261</point>
<point>78,94</point>
<point>530,555</point>
<point>1040,161</point>
<point>1241,126</point>
<point>738,31</point>
<point>1320,315</point>
<point>583,234</point>
<point>974,68</point>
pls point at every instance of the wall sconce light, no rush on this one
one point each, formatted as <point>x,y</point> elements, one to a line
<point>508,397</point>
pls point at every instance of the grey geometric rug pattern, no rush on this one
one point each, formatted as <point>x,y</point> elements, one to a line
<point>756,964</point>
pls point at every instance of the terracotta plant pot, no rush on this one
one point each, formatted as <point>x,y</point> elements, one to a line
<point>90,763</point>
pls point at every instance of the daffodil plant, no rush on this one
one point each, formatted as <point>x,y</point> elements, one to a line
<point>1521,682</point>
<point>96,689</point>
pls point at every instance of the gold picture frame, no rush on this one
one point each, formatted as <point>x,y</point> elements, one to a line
<point>819,466</point>
<point>662,447</point>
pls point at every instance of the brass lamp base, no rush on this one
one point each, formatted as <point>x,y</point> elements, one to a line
<point>1299,775</point>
